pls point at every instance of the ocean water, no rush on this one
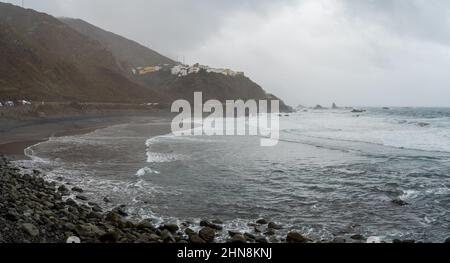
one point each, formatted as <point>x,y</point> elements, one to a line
<point>333,173</point>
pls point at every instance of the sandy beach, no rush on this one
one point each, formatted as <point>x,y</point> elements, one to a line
<point>17,134</point>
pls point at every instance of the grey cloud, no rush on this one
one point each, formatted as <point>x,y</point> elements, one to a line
<point>172,27</point>
<point>428,20</point>
<point>352,52</point>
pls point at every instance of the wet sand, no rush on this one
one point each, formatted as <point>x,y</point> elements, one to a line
<point>18,134</point>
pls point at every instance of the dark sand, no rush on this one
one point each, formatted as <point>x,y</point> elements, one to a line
<point>16,135</point>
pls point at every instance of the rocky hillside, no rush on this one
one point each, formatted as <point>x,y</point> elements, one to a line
<point>132,54</point>
<point>42,58</point>
<point>49,59</point>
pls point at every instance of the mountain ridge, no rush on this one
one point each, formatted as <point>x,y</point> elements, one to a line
<point>65,59</point>
<point>129,52</point>
<point>44,59</point>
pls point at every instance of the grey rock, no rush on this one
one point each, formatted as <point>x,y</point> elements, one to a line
<point>339,240</point>
<point>238,239</point>
<point>70,226</point>
<point>249,236</point>
<point>233,233</point>
<point>189,232</point>
<point>358,237</point>
<point>217,222</point>
<point>208,234</point>
<point>195,239</point>
<point>262,221</point>
<point>30,229</point>
<point>206,223</point>
<point>261,239</point>
<point>145,224</point>
<point>71,202</point>
<point>12,215</point>
<point>63,189</point>
<point>258,229</point>
<point>295,237</point>
<point>270,232</point>
<point>82,197</point>
<point>91,230</point>
<point>121,211</point>
<point>275,226</point>
<point>167,237</point>
<point>171,227</point>
<point>77,189</point>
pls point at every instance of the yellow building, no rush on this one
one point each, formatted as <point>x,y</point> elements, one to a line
<point>147,70</point>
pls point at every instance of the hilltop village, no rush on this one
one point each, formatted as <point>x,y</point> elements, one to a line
<point>182,70</point>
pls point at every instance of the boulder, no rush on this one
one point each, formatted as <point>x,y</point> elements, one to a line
<point>82,197</point>
<point>206,223</point>
<point>208,234</point>
<point>339,240</point>
<point>258,229</point>
<point>189,232</point>
<point>167,237</point>
<point>275,226</point>
<point>358,237</point>
<point>121,211</point>
<point>238,239</point>
<point>270,232</point>
<point>30,229</point>
<point>171,227</point>
<point>145,224</point>
<point>249,236</point>
<point>195,239</point>
<point>217,222</point>
<point>71,202</point>
<point>77,189</point>
<point>261,239</point>
<point>232,233</point>
<point>12,215</point>
<point>91,230</point>
<point>63,189</point>
<point>70,226</point>
<point>261,221</point>
<point>295,237</point>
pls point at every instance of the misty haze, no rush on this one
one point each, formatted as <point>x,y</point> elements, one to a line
<point>231,122</point>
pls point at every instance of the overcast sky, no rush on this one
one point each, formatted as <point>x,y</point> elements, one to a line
<point>352,52</point>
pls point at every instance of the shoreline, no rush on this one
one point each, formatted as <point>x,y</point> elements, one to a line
<point>73,214</point>
<point>16,134</point>
<point>33,209</point>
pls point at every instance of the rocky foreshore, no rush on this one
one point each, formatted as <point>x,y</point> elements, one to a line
<point>33,210</point>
